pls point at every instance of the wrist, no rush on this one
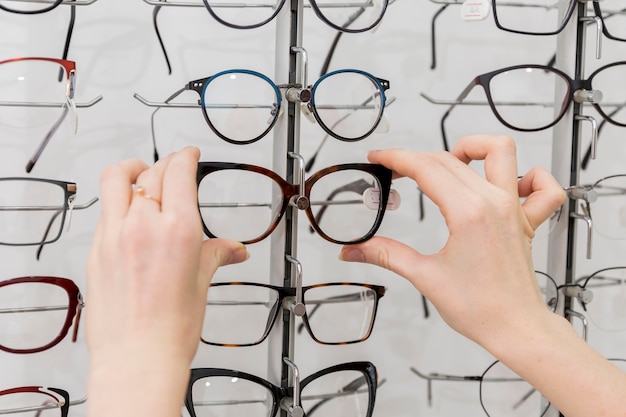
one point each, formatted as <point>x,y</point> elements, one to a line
<point>137,380</point>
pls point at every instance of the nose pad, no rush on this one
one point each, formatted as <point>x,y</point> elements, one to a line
<point>79,310</point>
<point>306,111</point>
<point>383,125</point>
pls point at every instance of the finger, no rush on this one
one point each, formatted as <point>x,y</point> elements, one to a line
<point>115,187</point>
<point>220,252</point>
<point>391,255</point>
<point>499,154</point>
<point>543,195</point>
<point>441,176</point>
<point>148,185</point>
<point>179,189</point>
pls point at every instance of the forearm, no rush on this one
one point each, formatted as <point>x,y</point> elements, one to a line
<point>133,384</point>
<point>548,353</point>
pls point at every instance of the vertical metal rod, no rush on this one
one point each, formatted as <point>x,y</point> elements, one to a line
<point>286,140</point>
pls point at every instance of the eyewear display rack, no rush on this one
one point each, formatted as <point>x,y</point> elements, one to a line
<point>289,59</point>
<point>565,164</point>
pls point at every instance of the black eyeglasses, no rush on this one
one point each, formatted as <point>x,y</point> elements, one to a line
<point>346,16</point>
<point>542,17</point>
<point>348,104</point>
<point>545,93</point>
<point>37,312</point>
<point>33,210</point>
<point>219,392</point>
<point>333,314</point>
<point>246,202</point>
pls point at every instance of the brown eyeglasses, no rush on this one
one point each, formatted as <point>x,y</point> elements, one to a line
<point>246,202</point>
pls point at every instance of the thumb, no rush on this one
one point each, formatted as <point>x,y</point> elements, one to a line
<point>389,254</point>
<point>220,252</point>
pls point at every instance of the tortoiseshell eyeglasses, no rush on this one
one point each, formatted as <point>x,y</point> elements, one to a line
<point>246,202</point>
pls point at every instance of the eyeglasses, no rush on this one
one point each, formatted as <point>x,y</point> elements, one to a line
<point>37,312</point>
<point>348,104</point>
<point>541,17</point>
<point>333,314</point>
<point>608,197</point>
<point>246,202</point>
<point>346,16</point>
<point>503,393</point>
<point>32,82</point>
<point>607,306</point>
<point>334,391</point>
<point>539,89</point>
<point>33,210</point>
<point>40,401</point>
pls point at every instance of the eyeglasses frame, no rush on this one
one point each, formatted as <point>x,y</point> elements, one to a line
<point>74,308</point>
<point>280,393</point>
<point>284,293</point>
<point>289,191</point>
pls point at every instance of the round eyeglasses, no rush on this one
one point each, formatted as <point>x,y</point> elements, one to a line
<point>348,104</point>
<point>246,202</point>
<point>352,16</point>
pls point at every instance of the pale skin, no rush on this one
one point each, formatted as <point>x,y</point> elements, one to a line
<point>149,270</point>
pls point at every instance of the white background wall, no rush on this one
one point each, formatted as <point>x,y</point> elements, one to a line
<point>117,54</point>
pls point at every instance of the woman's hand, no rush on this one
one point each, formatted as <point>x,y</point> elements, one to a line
<point>148,274</point>
<point>483,278</point>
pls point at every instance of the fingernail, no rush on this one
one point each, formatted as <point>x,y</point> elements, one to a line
<point>240,254</point>
<point>351,255</point>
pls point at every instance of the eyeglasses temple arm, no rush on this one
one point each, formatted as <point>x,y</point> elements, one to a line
<point>68,38</point>
<point>33,160</point>
<point>433,42</point>
<point>155,23</point>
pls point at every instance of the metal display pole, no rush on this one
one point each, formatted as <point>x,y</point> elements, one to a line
<point>286,142</point>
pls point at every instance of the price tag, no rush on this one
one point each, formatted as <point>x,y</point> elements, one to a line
<point>475,10</point>
<point>371,199</point>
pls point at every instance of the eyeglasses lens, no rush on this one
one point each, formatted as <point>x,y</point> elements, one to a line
<point>533,90</point>
<point>613,102</point>
<point>252,307</point>
<point>337,394</point>
<point>238,204</point>
<point>355,15</point>
<point>244,13</point>
<point>227,396</point>
<point>32,314</point>
<point>503,393</point>
<point>607,309</point>
<point>340,313</point>
<point>338,202</point>
<point>531,16</point>
<point>27,404</point>
<point>31,212</point>
<point>31,81</point>
<point>241,106</point>
<point>608,213</point>
<point>349,104</point>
